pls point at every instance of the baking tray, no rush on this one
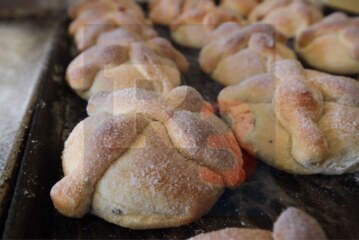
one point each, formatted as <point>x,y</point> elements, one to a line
<point>332,200</point>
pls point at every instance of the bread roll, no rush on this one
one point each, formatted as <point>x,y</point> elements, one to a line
<point>241,7</point>
<point>331,45</point>
<point>152,65</point>
<point>166,11</point>
<point>143,160</point>
<point>296,120</point>
<point>82,8</point>
<point>92,18</point>
<point>290,17</point>
<point>193,27</point>
<point>234,53</point>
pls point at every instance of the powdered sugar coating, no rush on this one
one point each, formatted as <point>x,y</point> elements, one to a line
<point>242,52</point>
<point>168,160</point>
<point>152,65</point>
<point>300,121</point>
<point>332,45</point>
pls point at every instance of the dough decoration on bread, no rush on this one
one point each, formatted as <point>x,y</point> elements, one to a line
<point>85,7</point>
<point>332,45</point>
<point>166,11</point>
<point>241,7</point>
<point>91,18</point>
<point>152,65</point>
<point>292,224</point>
<point>145,160</point>
<point>193,27</point>
<point>125,36</point>
<point>234,53</point>
<point>296,120</point>
<point>290,17</point>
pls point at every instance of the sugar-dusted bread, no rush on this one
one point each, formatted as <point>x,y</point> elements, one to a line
<point>242,7</point>
<point>152,65</point>
<point>234,53</point>
<point>332,45</point>
<point>292,224</point>
<point>290,17</point>
<point>93,18</point>
<point>144,160</point>
<point>166,11</point>
<point>193,27</point>
<point>296,120</point>
<point>82,8</point>
<point>125,36</point>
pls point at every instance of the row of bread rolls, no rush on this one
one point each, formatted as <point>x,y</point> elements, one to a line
<point>116,161</point>
<point>193,21</point>
<point>297,120</point>
<point>119,49</point>
<point>290,17</point>
<point>150,154</point>
<point>290,117</point>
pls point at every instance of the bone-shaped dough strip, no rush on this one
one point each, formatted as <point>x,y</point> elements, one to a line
<point>298,108</point>
<point>193,135</point>
<point>72,195</point>
<point>153,67</point>
<point>339,89</point>
<point>81,72</point>
<point>230,44</point>
<point>79,8</point>
<point>333,23</point>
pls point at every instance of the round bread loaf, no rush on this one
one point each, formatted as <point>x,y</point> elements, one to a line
<point>296,120</point>
<point>331,45</point>
<point>166,11</point>
<point>290,17</point>
<point>241,7</point>
<point>142,160</point>
<point>193,27</point>
<point>234,53</point>
<point>152,65</point>
<point>92,18</point>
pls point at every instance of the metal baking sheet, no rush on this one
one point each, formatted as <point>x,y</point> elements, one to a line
<point>24,47</point>
<point>332,200</point>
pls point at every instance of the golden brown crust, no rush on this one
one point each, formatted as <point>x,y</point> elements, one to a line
<point>83,69</point>
<point>153,65</point>
<point>176,159</point>
<point>298,107</point>
<point>86,33</point>
<point>241,52</point>
<point>102,6</point>
<point>242,7</point>
<point>290,17</point>
<point>193,27</point>
<point>109,140</point>
<point>166,11</point>
<point>124,36</point>
<point>315,44</point>
<point>296,120</point>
